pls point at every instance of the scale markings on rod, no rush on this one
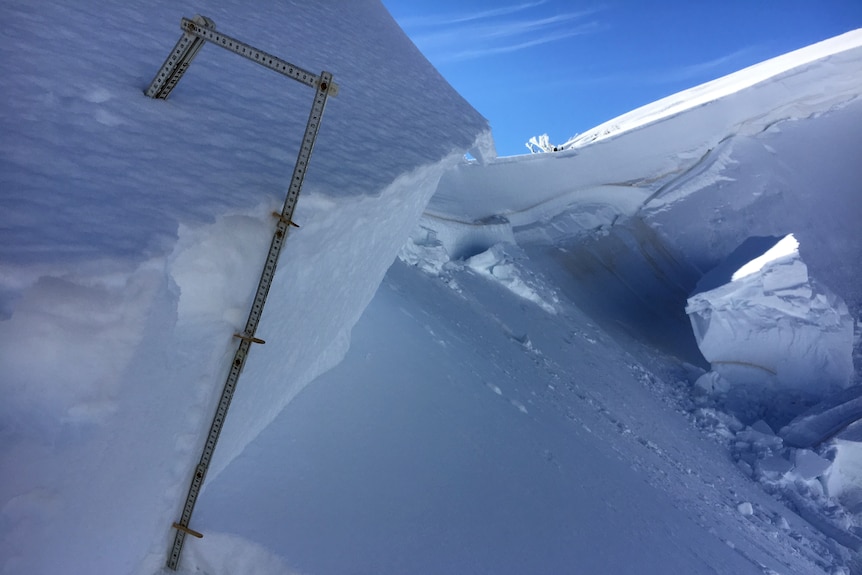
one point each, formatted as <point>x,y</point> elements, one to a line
<point>196,33</point>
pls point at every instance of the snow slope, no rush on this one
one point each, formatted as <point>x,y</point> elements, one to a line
<point>133,231</point>
<point>472,431</point>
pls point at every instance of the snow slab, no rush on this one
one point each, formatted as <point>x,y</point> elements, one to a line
<point>133,232</point>
<point>771,325</point>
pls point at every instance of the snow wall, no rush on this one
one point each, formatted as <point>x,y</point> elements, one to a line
<point>133,232</point>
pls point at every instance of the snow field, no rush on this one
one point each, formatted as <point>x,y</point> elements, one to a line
<point>783,67</point>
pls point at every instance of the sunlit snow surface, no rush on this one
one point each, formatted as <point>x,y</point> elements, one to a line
<point>480,412</point>
<point>786,247</point>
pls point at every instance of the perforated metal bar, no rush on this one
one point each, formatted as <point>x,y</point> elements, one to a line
<point>196,32</point>
<point>178,60</point>
<point>263,58</point>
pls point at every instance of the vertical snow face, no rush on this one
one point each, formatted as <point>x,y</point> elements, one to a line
<point>771,324</point>
<point>133,232</point>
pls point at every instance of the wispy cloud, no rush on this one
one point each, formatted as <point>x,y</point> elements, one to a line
<point>448,38</point>
<point>696,71</point>
<point>514,47</point>
<point>679,77</point>
<point>425,21</point>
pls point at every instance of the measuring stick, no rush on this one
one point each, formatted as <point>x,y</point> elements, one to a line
<point>196,33</point>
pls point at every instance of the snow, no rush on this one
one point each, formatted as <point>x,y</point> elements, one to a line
<point>771,327</point>
<point>519,395</point>
<point>134,231</point>
<point>844,479</point>
<point>225,554</point>
<point>498,264</point>
<point>780,70</point>
<point>785,248</point>
<point>809,465</point>
<point>825,419</point>
<point>454,447</point>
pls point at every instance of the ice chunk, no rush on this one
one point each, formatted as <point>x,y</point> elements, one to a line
<point>762,321</point>
<point>425,251</point>
<point>762,427</point>
<point>745,508</point>
<point>759,441</point>
<point>774,467</point>
<point>809,465</point>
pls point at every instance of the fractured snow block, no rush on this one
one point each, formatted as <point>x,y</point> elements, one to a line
<point>762,427</point>
<point>774,467</point>
<point>760,441</point>
<point>423,250</point>
<point>791,276</point>
<point>760,320</point>
<point>809,465</point>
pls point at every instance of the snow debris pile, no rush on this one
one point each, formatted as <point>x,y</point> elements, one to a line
<point>778,341</point>
<point>499,264</point>
<point>768,328</point>
<point>438,247</point>
<point>822,484</point>
<point>456,240</point>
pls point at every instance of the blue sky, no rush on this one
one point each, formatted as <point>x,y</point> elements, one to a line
<point>563,66</point>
